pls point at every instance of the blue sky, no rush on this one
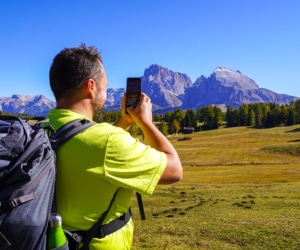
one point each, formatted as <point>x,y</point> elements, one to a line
<point>260,38</point>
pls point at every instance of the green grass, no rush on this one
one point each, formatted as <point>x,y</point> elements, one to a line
<point>240,191</point>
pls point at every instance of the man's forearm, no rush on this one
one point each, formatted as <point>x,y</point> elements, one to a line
<point>123,123</point>
<point>156,139</point>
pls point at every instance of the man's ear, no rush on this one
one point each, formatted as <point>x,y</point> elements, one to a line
<point>90,88</point>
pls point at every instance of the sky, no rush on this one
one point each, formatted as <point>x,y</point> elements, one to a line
<point>260,38</point>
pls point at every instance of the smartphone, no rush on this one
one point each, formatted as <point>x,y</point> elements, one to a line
<point>133,91</point>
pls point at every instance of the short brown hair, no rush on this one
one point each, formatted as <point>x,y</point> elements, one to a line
<point>72,67</point>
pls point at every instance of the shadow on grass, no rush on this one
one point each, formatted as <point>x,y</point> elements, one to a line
<point>298,140</point>
<point>294,130</point>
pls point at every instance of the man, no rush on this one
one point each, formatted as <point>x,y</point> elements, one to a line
<point>104,159</point>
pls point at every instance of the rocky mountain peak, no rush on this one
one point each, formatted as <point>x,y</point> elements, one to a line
<point>165,86</point>
<point>19,97</point>
<point>230,78</point>
<point>174,82</point>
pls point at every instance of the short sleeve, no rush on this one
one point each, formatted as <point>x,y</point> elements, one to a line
<point>131,164</point>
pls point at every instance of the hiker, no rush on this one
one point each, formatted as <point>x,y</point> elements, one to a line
<point>104,159</point>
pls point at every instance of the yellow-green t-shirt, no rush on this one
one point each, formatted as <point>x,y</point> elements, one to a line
<point>92,166</point>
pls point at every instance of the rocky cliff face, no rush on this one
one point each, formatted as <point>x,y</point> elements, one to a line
<point>165,87</point>
<point>169,90</point>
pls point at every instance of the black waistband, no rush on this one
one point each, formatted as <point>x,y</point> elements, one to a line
<point>109,228</point>
<point>114,225</point>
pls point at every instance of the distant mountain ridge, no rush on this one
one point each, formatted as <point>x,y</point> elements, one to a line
<point>170,90</point>
<point>227,87</point>
<point>37,105</point>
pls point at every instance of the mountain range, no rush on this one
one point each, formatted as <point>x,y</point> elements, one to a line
<point>170,90</point>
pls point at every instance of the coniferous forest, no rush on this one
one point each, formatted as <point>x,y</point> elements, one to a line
<point>257,115</point>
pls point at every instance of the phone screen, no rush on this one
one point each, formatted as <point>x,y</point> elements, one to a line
<point>133,91</point>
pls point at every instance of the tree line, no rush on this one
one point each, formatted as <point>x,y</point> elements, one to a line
<point>258,115</point>
<point>264,115</point>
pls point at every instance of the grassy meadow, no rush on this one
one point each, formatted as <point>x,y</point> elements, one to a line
<point>240,190</point>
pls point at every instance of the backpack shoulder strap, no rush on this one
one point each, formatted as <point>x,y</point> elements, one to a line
<point>65,133</point>
<point>69,130</point>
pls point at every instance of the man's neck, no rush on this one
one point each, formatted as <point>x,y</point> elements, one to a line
<point>82,107</point>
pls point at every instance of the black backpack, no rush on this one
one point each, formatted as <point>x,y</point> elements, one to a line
<point>27,180</point>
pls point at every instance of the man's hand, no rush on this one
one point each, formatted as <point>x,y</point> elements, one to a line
<point>125,121</point>
<point>142,113</point>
